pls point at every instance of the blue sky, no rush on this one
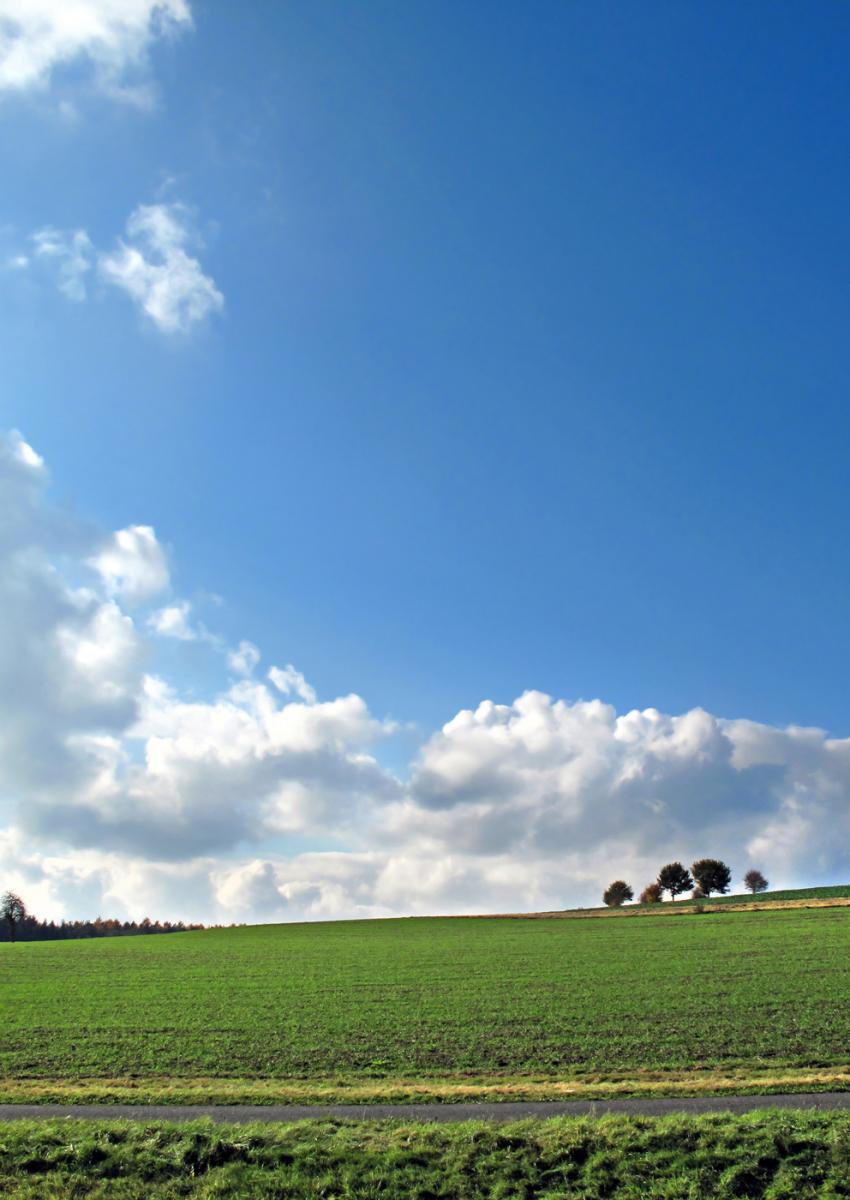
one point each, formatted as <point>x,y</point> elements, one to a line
<point>527,368</point>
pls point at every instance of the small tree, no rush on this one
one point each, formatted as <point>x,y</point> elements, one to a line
<point>675,879</point>
<point>12,911</point>
<point>712,875</point>
<point>617,893</point>
<point>652,894</point>
<point>754,881</point>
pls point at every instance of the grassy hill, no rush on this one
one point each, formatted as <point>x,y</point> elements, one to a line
<point>838,892</point>
<point>434,1006</point>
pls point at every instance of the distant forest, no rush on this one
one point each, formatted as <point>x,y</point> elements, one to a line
<point>30,929</point>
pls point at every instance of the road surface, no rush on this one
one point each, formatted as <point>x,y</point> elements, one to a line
<point>232,1114</point>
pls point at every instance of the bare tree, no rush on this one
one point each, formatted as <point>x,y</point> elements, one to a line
<point>754,881</point>
<point>12,911</point>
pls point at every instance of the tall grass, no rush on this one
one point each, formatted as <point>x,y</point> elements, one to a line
<point>770,1155</point>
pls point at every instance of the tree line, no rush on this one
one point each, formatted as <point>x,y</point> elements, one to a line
<point>706,876</point>
<point>18,925</point>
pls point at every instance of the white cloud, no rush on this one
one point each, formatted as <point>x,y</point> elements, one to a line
<point>132,564</point>
<point>243,659</point>
<point>18,449</point>
<point>71,253</point>
<point>173,621</point>
<point>110,37</point>
<point>292,682</point>
<point>120,792</point>
<point>153,267</point>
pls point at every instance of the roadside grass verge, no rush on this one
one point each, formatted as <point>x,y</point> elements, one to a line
<point>772,1155</point>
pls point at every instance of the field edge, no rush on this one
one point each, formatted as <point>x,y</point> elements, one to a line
<point>446,1090</point>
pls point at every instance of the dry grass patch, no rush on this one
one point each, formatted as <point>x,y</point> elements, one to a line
<point>449,1089</point>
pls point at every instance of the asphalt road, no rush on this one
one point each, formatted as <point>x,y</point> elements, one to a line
<point>233,1114</point>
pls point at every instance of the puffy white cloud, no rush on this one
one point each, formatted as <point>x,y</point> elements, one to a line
<point>539,775</point>
<point>173,621</point>
<point>71,253</point>
<point>99,755</point>
<point>154,268</point>
<point>120,793</point>
<point>132,564</point>
<point>112,37</point>
<point>14,447</point>
<point>70,662</point>
<point>292,683</point>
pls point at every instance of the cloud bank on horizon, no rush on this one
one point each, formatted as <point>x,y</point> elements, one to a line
<point>122,793</point>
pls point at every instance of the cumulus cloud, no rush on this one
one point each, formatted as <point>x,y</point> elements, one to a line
<point>155,270</point>
<point>121,792</point>
<point>98,754</point>
<point>112,38</point>
<point>132,564</point>
<point>173,621</point>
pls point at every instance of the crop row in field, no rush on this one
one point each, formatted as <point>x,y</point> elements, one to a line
<point>427,997</point>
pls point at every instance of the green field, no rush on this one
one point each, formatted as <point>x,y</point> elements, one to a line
<point>749,993</point>
<point>765,1156</point>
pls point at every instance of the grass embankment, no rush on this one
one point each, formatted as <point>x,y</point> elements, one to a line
<point>837,892</point>
<point>763,1156</point>
<point>442,1009</point>
<point>823,897</point>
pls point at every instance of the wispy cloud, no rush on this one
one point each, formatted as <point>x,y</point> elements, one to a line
<point>72,255</point>
<point>292,683</point>
<point>152,265</point>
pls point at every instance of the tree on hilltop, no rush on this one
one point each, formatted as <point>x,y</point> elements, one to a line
<point>12,911</point>
<point>617,893</point>
<point>754,881</point>
<point>652,894</point>
<point>675,879</point>
<point>712,875</point>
